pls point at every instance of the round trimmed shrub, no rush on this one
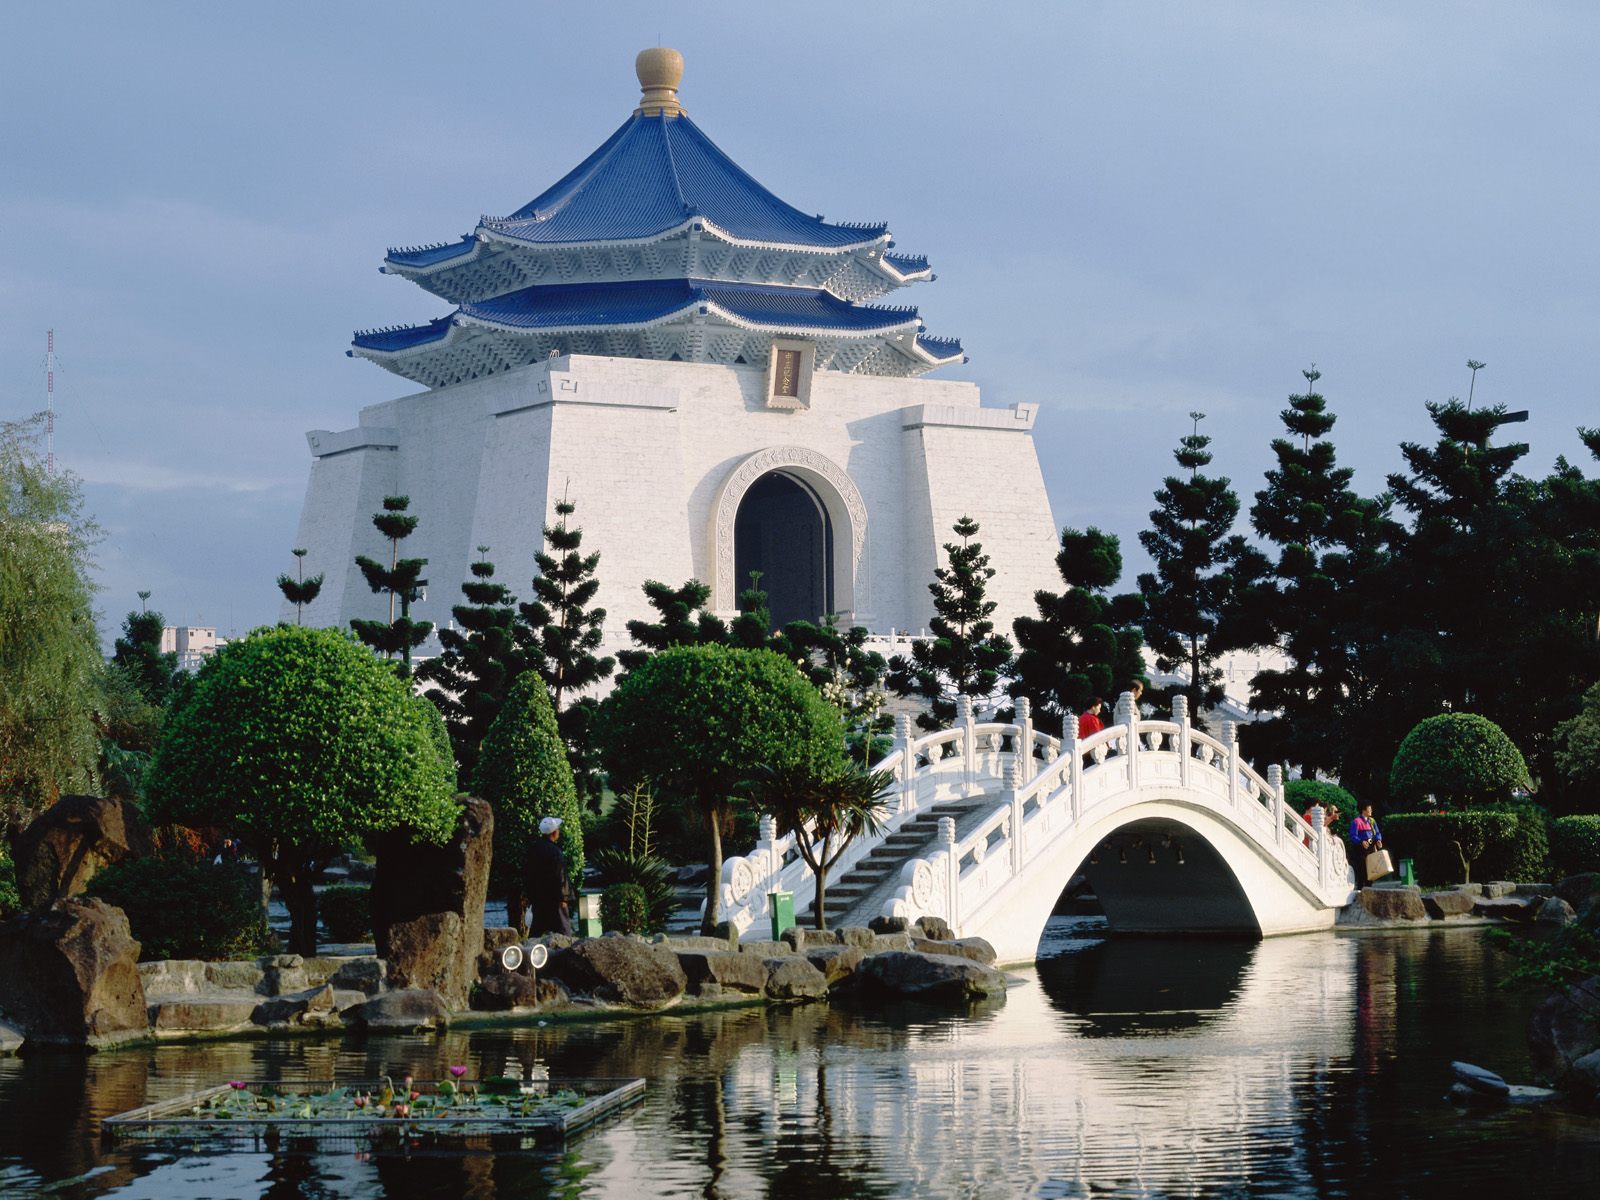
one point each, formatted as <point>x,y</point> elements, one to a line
<point>184,907</point>
<point>624,908</point>
<point>1575,844</point>
<point>1458,759</point>
<point>346,911</point>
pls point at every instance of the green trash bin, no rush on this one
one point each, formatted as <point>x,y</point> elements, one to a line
<point>588,924</point>
<point>1407,874</point>
<point>781,905</point>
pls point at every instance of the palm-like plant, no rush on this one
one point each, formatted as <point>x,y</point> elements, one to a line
<point>825,809</point>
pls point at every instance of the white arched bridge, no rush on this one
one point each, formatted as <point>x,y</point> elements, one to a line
<point>988,822</point>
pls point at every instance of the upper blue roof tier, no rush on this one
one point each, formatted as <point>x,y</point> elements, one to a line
<point>656,174</point>
<point>642,302</point>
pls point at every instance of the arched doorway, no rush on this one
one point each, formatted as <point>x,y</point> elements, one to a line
<point>783,530</point>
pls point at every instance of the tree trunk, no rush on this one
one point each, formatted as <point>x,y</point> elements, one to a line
<point>819,868</point>
<point>301,900</point>
<point>517,911</point>
<point>713,916</point>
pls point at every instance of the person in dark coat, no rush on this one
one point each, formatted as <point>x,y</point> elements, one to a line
<point>547,882</point>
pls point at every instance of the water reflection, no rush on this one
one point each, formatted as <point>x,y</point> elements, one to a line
<point>1298,1066</point>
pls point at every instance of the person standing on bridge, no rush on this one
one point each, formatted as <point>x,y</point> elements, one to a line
<point>1089,720</point>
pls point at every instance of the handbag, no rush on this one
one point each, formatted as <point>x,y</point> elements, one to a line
<point>1378,865</point>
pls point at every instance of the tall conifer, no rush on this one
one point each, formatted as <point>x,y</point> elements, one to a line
<point>401,579</point>
<point>298,590</point>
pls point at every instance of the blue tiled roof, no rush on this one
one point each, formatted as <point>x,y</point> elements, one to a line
<point>426,256</point>
<point>652,175</point>
<point>638,302</point>
<point>939,347</point>
<point>907,264</point>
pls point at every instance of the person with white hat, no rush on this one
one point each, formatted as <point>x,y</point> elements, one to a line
<point>547,881</point>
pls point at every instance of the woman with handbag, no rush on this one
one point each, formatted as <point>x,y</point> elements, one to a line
<point>1365,834</point>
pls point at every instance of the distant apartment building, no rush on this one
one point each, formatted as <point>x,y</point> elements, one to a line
<point>193,644</point>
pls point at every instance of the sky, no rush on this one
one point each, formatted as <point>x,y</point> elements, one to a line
<point>1136,210</point>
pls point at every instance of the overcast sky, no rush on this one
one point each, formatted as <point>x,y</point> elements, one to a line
<point>1135,210</point>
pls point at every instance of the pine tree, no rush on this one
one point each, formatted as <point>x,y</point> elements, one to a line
<point>682,621</point>
<point>1199,569</point>
<point>479,662</point>
<point>299,591</point>
<point>1311,604</point>
<point>1084,643</point>
<point>402,579</point>
<point>965,655</point>
<point>564,636</point>
<point>138,654</point>
<point>849,676</point>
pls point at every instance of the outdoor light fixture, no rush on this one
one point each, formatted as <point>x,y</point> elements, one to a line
<point>1122,855</point>
<point>1152,856</point>
<point>1180,854</point>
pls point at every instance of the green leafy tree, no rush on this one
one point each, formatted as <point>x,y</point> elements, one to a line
<point>138,654</point>
<point>850,677</point>
<point>1084,643</point>
<point>401,579</point>
<point>1577,749</point>
<point>298,590</point>
<point>50,662</point>
<point>301,743</point>
<point>1200,568</point>
<point>523,773</point>
<point>1458,759</point>
<point>695,721</point>
<point>566,633</point>
<point>1312,603</point>
<point>965,656</point>
<point>480,659</point>
<point>825,808</point>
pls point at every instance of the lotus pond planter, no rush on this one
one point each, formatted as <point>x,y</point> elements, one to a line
<point>268,1115</point>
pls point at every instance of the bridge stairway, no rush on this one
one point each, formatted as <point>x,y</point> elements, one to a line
<point>860,894</point>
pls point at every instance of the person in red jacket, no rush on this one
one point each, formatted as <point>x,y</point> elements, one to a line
<point>1089,720</point>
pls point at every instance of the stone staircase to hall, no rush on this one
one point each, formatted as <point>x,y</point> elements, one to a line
<point>857,896</point>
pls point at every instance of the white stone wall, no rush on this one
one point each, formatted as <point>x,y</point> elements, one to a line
<point>644,448</point>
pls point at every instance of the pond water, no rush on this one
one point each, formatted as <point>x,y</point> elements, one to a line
<point>1305,1066</point>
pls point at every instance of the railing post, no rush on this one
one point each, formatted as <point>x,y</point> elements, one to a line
<point>1275,786</point>
<point>1069,746</point>
<point>947,838</point>
<point>1180,714</point>
<point>908,762</point>
<point>1014,788</point>
<point>1128,718</point>
<point>969,741</point>
<point>1230,739</point>
<point>1319,839</point>
<point>767,852</point>
<point>1022,746</point>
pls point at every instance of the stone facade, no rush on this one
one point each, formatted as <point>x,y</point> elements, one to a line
<point>656,455</point>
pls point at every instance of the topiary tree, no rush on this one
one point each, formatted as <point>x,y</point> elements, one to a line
<point>524,774</point>
<point>1577,746</point>
<point>696,720</point>
<point>1458,759</point>
<point>1575,844</point>
<point>301,742</point>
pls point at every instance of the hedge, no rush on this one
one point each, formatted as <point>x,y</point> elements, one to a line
<point>187,908</point>
<point>346,911</point>
<point>623,908</point>
<point>9,900</point>
<point>1507,842</point>
<point>1575,844</point>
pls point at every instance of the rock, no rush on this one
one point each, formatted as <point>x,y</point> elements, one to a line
<point>726,931</point>
<point>1578,890</point>
<point>1521,1093</point>
<point>61,850</point>
<point>360,974</point>
<point>1554,912</point>
<point>242,976</point>
<point>936,929</point>
<point>509,990</point>
<point>727,970</point>
<point>889,925</point>
<point>497,937</point>
<point>621,970</point>
<point>936,978</point>
<point>1565,1028</point>
<point>427,906</point>
<point>799,939</point>
<point>1584,1076</point>
<point>792,977</point>
<point>1497,889</point>
<point>1480,1080</point>
<point>408,1010</point>
<point>837,963</point>
<point>856,935</point>
<point>69,975</point>
<point>696,942</point>
<point>763,948</point>
<point>1506,908</point>
<point>889,941</point>
<point>1449,904</point>
<point>173,976</point>
<point>977,949</point>
<point>310,1007</point>
<point>202,1014</point>
<point>1394,903</point>
<point>1535,889</point>
<point>11,1038</point>
<point>1470,1097</point>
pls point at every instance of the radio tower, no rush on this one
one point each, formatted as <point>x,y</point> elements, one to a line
<point>50,401</point>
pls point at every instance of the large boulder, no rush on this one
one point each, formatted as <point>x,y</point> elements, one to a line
<point>621,970</point>
<point>61,850</point>
<point>1394,903</point>
<point>504,991</point>
<point>837,963</point>
<point>792,977</point>
<point>1564,1029</point>
<point>1580,890</point>
<point>1456,903</point>
<point>408,1010</point>
<point>1554,911</point>
<point>427,906</point>
<point>69,975</point>
<point>730,972</point>
<point>935,978</point>
<point>976,948</point>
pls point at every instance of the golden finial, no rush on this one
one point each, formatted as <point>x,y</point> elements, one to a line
<point>660,70</point>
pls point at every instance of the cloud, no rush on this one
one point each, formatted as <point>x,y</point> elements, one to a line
<point>158,477</point>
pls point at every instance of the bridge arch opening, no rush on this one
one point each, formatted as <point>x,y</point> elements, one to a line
<point>783,530</point>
